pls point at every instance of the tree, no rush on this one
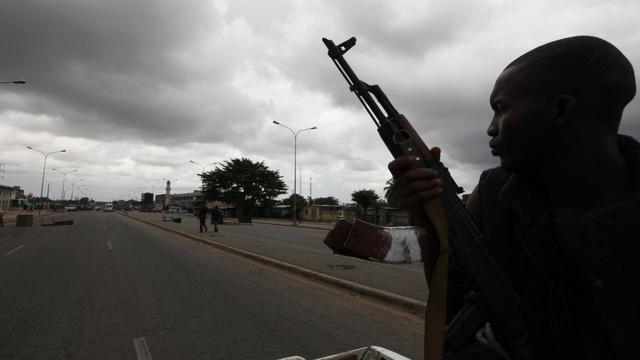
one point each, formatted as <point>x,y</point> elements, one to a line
<point>300,201</point>
<point>329,200</point>
<point>365,198</point>
<point>390,192</point>
<point>243,183</point>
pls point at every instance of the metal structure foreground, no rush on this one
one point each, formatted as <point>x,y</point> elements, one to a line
<point>365,353</point>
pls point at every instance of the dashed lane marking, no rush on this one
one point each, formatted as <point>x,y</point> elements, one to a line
<point>142,349</point>
<point>14,250</point>
<point>109,245</point>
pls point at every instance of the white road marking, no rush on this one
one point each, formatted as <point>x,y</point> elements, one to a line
<point>14,250</point>
<point>142,349</point>
<point>109,245</point>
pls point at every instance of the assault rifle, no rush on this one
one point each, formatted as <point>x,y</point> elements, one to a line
<point>494,295</point>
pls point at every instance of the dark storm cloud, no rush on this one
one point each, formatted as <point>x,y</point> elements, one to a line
<point>388,45</point>
<point>410,29</point>
<point>145,86</point>
<point>393,30</point>
<point>117,69</point>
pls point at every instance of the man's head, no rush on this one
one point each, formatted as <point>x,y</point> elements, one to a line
<point>546,97</point>
<point>591,69</point>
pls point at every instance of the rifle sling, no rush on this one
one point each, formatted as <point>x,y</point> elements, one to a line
<point>436,315</point>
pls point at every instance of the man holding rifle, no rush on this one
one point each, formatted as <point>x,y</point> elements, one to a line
<point>560,212</point>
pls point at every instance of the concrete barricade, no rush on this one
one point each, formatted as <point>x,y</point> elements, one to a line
<point>24,220</point>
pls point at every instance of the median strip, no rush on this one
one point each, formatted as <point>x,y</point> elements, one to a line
<point>413,305</point>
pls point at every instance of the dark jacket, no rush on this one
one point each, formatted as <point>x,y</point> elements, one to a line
<point>202,212</point>
<point>581,299</point>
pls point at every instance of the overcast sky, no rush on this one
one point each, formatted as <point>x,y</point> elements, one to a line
<point>134,90</point>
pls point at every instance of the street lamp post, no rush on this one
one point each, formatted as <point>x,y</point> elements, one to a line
<point>44,166</point>
<point>295,145</point>
<point>73,185</point>
<point>203,167</point>
<point>64,176</point>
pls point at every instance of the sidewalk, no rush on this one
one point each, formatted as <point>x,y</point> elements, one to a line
<point>403,285</point>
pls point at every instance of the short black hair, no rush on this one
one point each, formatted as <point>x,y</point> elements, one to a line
<point>586,67</point>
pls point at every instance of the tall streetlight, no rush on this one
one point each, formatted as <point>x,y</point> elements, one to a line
<point>73,185</point>
<point>13,82</point>
<point>203,167</point>
<point>44,167</point>
<point>295,146</point>
<point>64,176</point>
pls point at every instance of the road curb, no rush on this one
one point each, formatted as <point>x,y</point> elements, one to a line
<point>329,227</point>
<point>413,305</point>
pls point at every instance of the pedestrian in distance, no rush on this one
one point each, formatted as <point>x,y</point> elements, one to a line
<point>560,213</point>
<point>216,216</point>
<point>202,215</point>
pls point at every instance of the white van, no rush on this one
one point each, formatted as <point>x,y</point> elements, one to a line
<point>108,207</point>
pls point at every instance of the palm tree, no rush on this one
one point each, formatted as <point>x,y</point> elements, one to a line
<point>390,192</point>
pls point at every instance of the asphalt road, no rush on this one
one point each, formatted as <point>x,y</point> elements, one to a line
<point>109,287</point>
<point>304,247</point>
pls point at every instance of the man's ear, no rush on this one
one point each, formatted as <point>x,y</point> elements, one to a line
<point>565,107</point>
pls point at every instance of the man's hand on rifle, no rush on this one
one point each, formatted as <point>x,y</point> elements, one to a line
<point>415,185</point>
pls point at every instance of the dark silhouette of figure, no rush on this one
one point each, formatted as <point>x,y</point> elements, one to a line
<point>202,215</point>
<point>560,213</point>
<point>216,217</point>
